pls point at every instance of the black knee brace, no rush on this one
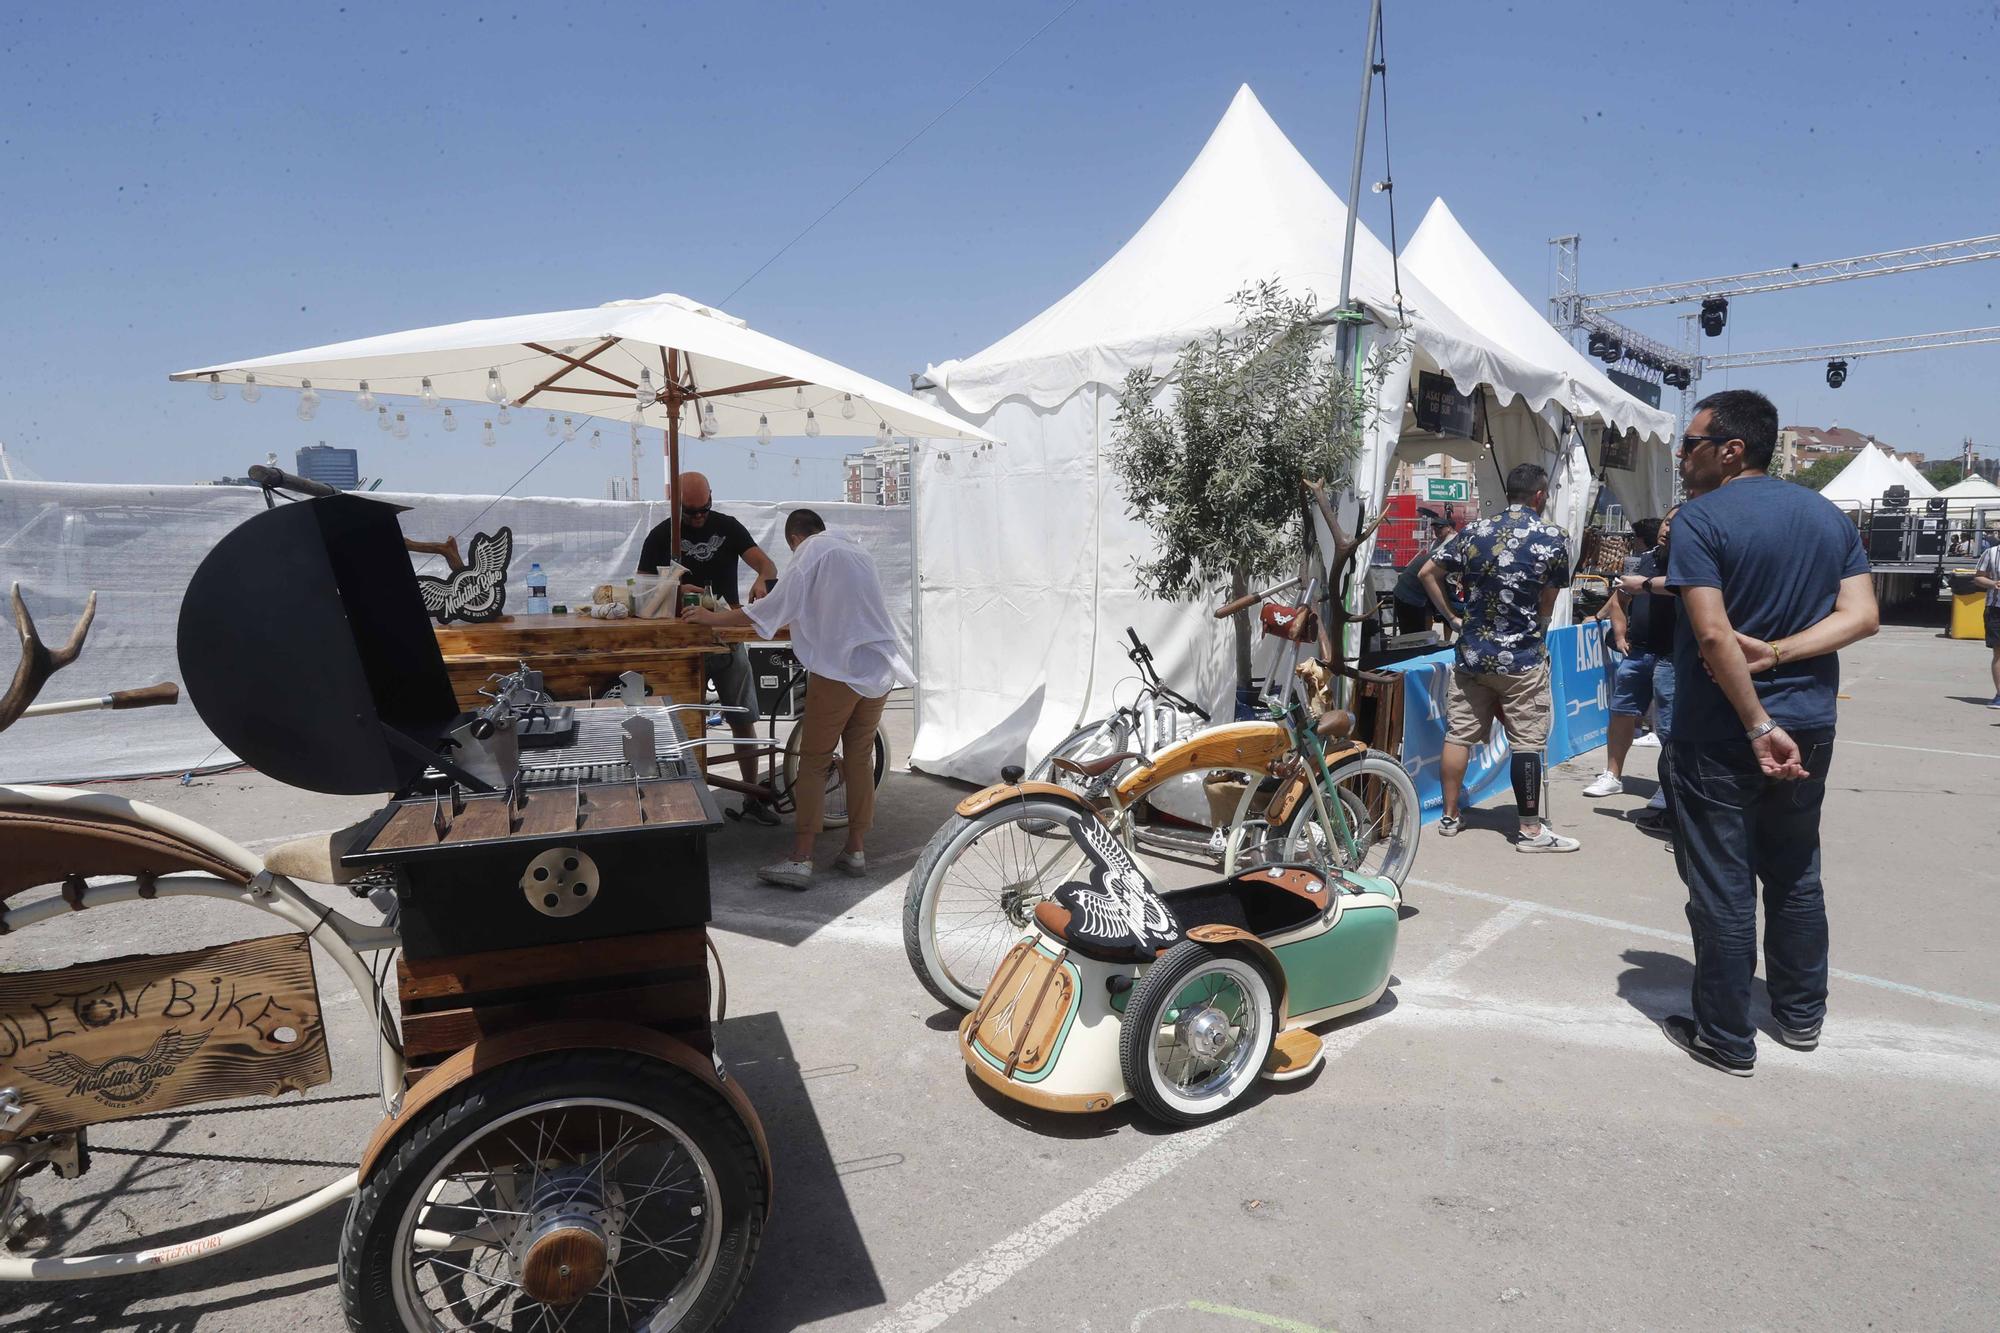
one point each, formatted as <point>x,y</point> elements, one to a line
<point>1528,782</point>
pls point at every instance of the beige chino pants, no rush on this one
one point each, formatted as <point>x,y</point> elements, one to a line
<point>837,714</point>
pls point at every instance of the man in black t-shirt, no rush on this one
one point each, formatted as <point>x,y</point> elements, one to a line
<point>711,546</point>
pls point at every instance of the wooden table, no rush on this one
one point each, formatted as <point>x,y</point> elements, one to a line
<point>580,658</point>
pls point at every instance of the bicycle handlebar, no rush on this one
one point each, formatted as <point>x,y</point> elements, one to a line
<point>147,696</point>
<point>277,479</point>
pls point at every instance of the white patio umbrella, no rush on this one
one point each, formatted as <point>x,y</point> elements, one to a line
<point>666,362</point>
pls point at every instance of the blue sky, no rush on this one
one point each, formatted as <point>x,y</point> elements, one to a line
<point>187,184</point>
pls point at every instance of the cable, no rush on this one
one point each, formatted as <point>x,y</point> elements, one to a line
<point>899,152</point>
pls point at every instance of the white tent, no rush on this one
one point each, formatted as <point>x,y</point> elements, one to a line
<point>1871,472</point>
<point>1026,554</point>
<point>1920,485</point>
<point>1971,488</point>
<point>1451,264</point>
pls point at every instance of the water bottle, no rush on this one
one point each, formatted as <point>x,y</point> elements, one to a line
<point>538,590</point>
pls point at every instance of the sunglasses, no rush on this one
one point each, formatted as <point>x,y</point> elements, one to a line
<point>697,511</point>
<point>1691,442</point>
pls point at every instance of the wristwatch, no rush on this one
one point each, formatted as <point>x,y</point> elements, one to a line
<point>1764,728</point>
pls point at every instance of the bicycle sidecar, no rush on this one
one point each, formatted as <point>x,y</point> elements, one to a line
<point>1179,1000</point>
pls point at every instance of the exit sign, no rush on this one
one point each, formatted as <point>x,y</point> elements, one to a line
<point>1440,489</point>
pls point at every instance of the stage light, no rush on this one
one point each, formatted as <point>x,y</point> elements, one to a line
<point>1836,374</point>
<point>1714,314</point>
<point>1614,350</point>
<point>1597,344</point>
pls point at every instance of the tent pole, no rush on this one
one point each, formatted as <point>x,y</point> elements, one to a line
<point>1344,332</point>
<point>673,452</point>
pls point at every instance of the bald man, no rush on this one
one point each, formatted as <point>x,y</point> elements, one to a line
<point>712,544</point>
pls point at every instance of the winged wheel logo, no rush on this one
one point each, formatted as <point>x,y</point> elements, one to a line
<point>123,1079</point>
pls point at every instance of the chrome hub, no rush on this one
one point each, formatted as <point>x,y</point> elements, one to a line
<point>1206,1033</point>
<point>569,1238</point>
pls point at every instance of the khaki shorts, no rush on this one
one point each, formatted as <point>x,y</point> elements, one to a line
<point>1523,702</point>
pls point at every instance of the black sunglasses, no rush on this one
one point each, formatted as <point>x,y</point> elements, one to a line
<point>1696,441</point>
<point>697,511</point>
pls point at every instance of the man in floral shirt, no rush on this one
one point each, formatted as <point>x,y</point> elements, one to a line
<point>1513,566</point>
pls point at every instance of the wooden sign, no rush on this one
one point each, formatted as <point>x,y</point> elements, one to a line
<point>102,1041</point>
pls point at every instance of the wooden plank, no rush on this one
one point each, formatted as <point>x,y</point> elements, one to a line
<point>101,1041</point>
<point>672,1006</point>
<point>550,964</point>
<point>674,674</point>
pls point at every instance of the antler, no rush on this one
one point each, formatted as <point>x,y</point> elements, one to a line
<point>1336,617</point>
<point>37,662</point>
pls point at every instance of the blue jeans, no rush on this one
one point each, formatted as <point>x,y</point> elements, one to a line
<point>1734,828</point>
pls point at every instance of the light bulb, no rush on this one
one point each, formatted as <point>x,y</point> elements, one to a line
<point>753,462</point>
<point>709,424</point>
<point>549,428</point>
<point>569,428</point>
<point>382,421</point>
<point>450,421</point>
<point>308,400</point>
<point>503,416</point>
<point>799,396</point>
<point>428,394</point>
<point>251,393</point>
<point>645,394</point>
<point>215,389</point>
<point>486,437</point>
<point>795,467</point>
<point>494,393</point>
<point>763,429</point>
<point>596,438</point>
<point>882,434</point>
<point>812,424</point>
<point>847,406</point>
<point>365,399</point>
<point>402,430</point>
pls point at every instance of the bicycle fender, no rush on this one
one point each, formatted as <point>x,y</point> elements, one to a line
<point>489,1054</point>
<point>981,801</point>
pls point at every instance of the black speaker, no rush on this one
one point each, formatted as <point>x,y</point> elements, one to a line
<point>1889,536</point>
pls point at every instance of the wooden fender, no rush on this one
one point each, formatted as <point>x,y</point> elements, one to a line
<point>1252,746</point>
<point>986,798</point>
<point>1244,940</point>
<point>482,1056</point>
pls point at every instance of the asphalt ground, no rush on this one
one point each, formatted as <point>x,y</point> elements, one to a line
<point>1505,1142</point>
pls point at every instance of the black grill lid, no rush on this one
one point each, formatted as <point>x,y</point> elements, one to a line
<point>305,648</point>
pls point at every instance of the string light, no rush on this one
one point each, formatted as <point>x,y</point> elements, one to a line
<point>799,396</point>
<point>503,416</point>
<point>215,390</point>
<point>402,430</point>
<point>812,424</point>
<point>382,422</point>
<point>847,406</point>
<point>428,395</point>
<point>882,434</point>
<point>365,400</point>
<point>569,429</point>
<point>251,393</point>
<point>450,421</point>
<point>494,392</point>
<point>596,438</point>
<point>645,393</point>
<point>308,401</point>
<point>709,424</point>
<point>795,467</point>
<point>549,429</point>
<point>763,429</point>
<point>486,437</point>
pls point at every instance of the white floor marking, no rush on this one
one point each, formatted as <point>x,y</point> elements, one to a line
<point>1917,749</point>
<point>1680,937</point>
<point>982,1276</point>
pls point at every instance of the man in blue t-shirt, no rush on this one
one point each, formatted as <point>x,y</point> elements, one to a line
<point>1772,584</point>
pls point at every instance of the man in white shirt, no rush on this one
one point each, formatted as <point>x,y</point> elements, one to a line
<point>831,597</point>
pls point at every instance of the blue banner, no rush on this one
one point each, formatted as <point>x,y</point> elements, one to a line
<point>1579,679</point>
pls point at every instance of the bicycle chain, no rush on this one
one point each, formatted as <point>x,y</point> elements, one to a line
<point>240,1110</point>
<point>220,1157</point>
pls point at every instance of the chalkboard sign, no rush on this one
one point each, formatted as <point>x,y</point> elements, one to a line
<point>1442,409</point>
<point>1618,452</point>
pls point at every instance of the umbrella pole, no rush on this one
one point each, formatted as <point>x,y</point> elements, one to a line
<point>673,453</point>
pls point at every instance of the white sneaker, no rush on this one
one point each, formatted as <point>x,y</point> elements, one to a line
<point>1659,801</point>
<point>788,874</point>
<point>1649,740</point>
<point>1607,784</point>
<point>1546,841</point>
<point>851,863</point>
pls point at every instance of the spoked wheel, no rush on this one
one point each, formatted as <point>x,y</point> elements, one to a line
<point>974,888</point>
<point>1381,808</point>
<point>1196,1033</point>
<point>588,1190</point>
<point>834,814</point>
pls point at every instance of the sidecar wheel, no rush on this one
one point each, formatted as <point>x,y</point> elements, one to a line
<point>1196,1033</point>
<point>595,1190</point>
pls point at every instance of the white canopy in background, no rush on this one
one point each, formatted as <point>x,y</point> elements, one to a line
<point>1451,264</point>
<point>1026,556</point>
<point>1971,486</point>
<point>1868,474</point>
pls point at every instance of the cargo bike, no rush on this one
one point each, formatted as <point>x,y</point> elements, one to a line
<point>560,1145</point>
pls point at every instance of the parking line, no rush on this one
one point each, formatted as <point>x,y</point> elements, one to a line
<point>972,1282</point>
<point>1680,937</point>
<point>1916,749</point>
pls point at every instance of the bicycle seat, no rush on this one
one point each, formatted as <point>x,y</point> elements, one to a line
<point>1096,768</point>
<point>1115,915</point>
<point>47,846</point>
<point>316,857</point>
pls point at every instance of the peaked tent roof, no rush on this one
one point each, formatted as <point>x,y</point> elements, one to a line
<point>1971,486</point>
<point>1250,208</point>
<point>1450,262</point>
<point>1919,484</point>
<point>1865,478</point>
